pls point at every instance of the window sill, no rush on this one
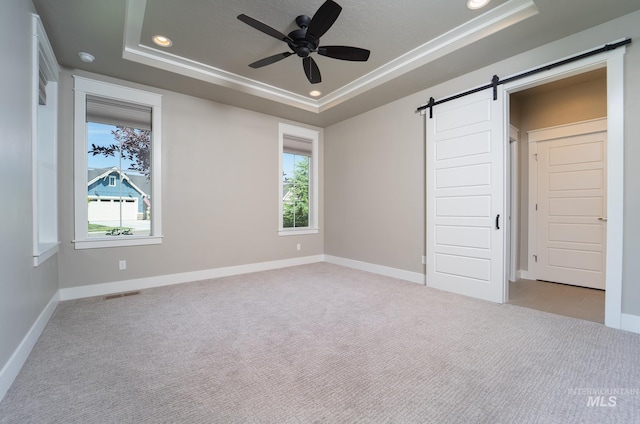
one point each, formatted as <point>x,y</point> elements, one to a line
<point>119,242</point>
<point>46,251</point>
<point>297,231</point>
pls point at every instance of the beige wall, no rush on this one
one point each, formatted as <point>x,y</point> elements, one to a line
<point>535,110</point>
<point>375,170</point>
<point>220,195</point>
<point>24,290</point>
<point>375,190</point>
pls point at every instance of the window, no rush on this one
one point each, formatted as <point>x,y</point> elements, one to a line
<point>298,180</point>
<point>44,146</point>
<point>117,154</point>
<point>295,189</point>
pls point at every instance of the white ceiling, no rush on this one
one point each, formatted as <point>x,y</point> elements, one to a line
<point>414,44</point>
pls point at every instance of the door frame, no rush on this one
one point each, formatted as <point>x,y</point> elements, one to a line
<point>542,135</point>
<point>514,210</point>
<point>613,61</point>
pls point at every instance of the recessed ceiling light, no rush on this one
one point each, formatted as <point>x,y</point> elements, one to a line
<point>315,93</point>
<point>477,4</point>
<point>86,57</point>
<point>162,41</point>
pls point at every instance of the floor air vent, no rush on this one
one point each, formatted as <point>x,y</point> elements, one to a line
<point>117,295</point>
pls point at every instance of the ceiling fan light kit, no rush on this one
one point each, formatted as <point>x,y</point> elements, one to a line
<point>306,40</point>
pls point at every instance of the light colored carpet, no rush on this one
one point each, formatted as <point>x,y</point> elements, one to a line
<point>321,344</point>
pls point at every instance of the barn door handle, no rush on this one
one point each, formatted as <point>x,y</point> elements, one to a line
<point>498,222</point>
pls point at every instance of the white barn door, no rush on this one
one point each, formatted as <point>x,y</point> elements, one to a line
<point>466,221</point>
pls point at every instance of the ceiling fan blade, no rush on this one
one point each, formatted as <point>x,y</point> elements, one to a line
<point>269,60</point>
<point>264,28</point>
<point>311,70</point>
<point>323,19</point>
<point>355,54</point>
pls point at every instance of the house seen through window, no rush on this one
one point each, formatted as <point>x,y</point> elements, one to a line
<point>118,182</point>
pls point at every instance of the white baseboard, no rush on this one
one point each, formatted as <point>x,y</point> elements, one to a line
<point>413,277</point>
<point>630,323</point>
<point>184,277</point>
<point>11,369</point>
<point>522,274</point>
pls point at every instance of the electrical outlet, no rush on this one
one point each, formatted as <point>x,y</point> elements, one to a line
<point>424,260</point>
<point>298,247</point>
<point>122,264</point>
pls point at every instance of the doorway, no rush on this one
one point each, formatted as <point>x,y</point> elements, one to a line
<point>467,262</point>
<point>561,188</point>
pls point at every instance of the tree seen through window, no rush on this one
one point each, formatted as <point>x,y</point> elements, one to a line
<point>295,191</point>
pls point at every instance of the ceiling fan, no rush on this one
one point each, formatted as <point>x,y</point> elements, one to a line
<point>306,40</point>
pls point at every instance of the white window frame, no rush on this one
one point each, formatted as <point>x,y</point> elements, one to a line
<point>82,88</point>
<point>313,136</point>
<point>44,142</point>
<point>112,178</point>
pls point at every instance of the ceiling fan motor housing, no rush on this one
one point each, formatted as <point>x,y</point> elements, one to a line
<point>300,44</point>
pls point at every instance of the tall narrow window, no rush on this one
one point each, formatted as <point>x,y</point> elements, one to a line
<point>118,152</point>
<point>295,188</point>
<point>298,180</point>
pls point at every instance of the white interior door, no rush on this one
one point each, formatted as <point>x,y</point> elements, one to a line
<point>465,197</point>
<point>572,206</point>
